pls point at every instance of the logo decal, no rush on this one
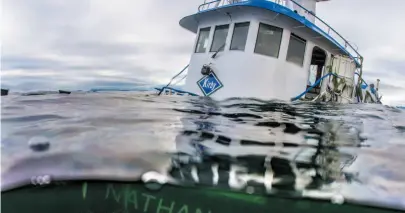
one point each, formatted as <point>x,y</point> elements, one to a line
<point>209,84</point>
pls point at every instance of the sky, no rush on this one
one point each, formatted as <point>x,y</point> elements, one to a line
<point>82,44</point>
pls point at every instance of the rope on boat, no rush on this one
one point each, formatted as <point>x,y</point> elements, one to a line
<point>179,80</point>
<point>173,79</point>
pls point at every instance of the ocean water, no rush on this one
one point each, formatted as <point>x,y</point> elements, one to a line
<point>343,153</point>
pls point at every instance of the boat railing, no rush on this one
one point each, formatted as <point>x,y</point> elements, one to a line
<point>174,91</point>
<point>175,77</point>
<point>332,33</point>
<point>309,15</point>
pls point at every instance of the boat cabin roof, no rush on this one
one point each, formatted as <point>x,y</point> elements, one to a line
<point>321,30</point>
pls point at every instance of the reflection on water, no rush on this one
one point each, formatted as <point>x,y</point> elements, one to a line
<point>341,153</point>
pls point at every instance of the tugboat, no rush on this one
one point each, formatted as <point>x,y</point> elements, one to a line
<point>271,49</point>
<point>244,48</point>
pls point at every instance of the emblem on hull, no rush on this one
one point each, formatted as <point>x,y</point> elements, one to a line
<point>209,84</point>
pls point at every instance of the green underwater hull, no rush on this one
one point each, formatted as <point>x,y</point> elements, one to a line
<point>121,197</point>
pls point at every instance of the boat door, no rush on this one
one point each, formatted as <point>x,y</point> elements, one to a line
<point>316,69</point>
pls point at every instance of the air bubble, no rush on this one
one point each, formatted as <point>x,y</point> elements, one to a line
<point>46,179</point>
<point>41,180</point>
<point>154,180</point>
<point>337,199</point>
<point>39,143</point>
<point>250,189</point>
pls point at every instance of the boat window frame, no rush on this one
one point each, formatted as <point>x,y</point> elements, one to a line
<point>213,38</point>
<point>199,36</point>
<point>305,49</point>
<point>246,38</point>
<point>257,37</point>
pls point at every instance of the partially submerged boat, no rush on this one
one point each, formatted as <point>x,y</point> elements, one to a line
<point>271,49</point>
<point>246,48</point>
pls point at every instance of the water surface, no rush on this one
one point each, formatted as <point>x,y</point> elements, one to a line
<point>348,153</point>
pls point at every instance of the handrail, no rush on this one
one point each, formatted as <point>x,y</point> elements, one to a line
<point>329,27</point>
<point>329,30</point>
<point>175,77</point>
<point>207,4</point>
<point>176,90</point>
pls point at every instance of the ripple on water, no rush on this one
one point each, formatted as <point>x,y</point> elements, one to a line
<point>251,145</point>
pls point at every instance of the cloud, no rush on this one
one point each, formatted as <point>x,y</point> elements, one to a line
<point>141,41</point>
<point>26,63</point>
<point>384,86</point>
<point>71,40</point>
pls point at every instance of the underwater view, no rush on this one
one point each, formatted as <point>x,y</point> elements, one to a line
<point>209,106</point>
<point>138,152</point>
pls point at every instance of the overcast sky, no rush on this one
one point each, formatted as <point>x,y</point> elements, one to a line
<point>79,44</point>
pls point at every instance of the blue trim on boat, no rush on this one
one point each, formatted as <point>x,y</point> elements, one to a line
<point>314,85</point>
<point>117,89</point>
<point>285,11</point>
<point>364,84</point>
<point>176,90</point>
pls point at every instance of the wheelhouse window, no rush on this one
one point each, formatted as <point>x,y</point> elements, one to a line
<point>202,42</point>
<point>296,50</point>
<point>268,40</point>
<point>239,36</point>
<point>220,34</point>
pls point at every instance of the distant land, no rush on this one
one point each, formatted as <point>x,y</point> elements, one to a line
<point>46,86</point>
<point>92,87</point>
